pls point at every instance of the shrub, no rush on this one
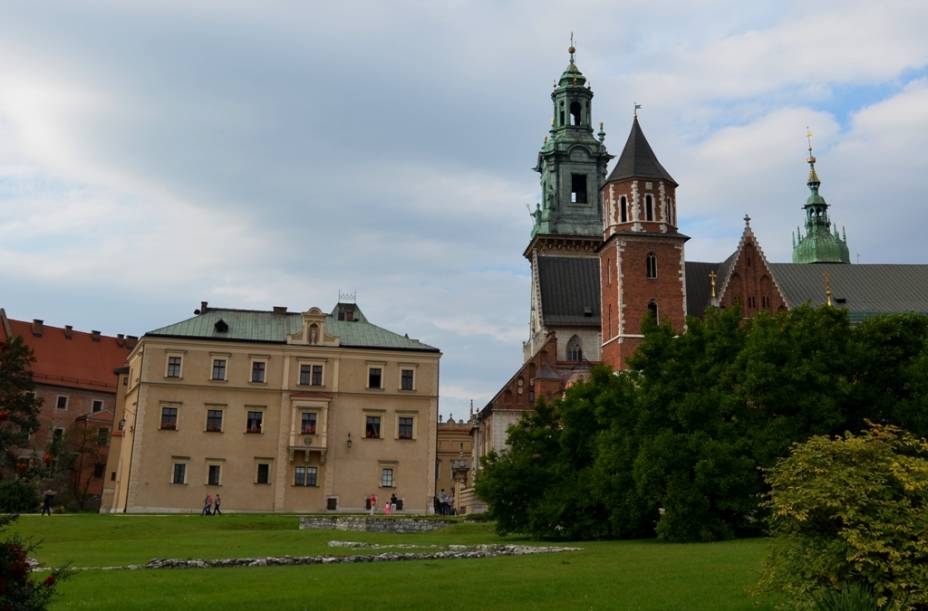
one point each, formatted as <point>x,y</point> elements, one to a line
<point>17,496</point>
<point>851,512</point>
<point>17,588</point>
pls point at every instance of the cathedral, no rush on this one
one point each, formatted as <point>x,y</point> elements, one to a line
<point>606,253</point>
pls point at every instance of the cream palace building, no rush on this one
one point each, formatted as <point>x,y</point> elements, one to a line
<point>275,411</point>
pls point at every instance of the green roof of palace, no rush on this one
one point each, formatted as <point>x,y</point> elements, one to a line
<point>271,327</point>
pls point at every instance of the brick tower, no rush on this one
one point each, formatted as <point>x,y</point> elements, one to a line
<point>641,260</point>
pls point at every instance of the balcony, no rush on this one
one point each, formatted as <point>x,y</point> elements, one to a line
<point>306,444</point>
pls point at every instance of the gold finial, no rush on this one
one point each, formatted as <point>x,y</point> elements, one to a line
<point>571,49</point>
<point>712,277</point>
<point>809,138</point>
<point>827,289</point>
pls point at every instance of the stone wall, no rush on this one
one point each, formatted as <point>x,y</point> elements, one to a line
<point>372,524</point>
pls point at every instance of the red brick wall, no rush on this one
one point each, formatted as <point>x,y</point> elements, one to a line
<point>751,284</point>
<point>612,196</point>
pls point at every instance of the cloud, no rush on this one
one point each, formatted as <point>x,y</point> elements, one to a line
<point>156,154</point>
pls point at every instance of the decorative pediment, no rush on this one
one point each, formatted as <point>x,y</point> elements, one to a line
<point>313,331</point>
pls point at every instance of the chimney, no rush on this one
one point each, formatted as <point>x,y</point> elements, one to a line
<point>204,307</point>
<point>94,336</point>
<point>120,340</point>
<point>67,331</point>
<point>37,327</point>
<point>280,309</point>
<point>131,341</point>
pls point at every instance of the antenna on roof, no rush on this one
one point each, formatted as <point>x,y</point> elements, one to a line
<point>347,296</point>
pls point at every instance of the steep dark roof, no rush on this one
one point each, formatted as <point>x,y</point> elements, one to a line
<point>569,291</point>
<point>865,290</point>
<point>638,159</point>
<point>698,286</point>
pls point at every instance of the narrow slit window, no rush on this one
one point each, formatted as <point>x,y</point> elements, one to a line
<point>648,208</point>
<point>623,209</point>
<point>652,265</point>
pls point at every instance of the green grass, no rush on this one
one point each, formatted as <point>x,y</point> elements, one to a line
<point>604,575</point>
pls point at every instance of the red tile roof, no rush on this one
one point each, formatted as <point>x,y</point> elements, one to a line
<point>75,362</point>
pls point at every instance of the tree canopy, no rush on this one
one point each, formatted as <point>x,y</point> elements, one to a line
<point>677,444</point>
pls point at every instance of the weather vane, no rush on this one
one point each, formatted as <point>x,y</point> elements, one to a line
<point>809,137</point>
<point>572,49</point>
<point>637,107</point>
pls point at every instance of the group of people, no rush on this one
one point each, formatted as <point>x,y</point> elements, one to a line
<point>388,507</point>
<point>444,503</point>
<point>211,506</point>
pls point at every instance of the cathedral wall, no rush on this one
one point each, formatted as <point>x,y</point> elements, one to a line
<point>750,284</point>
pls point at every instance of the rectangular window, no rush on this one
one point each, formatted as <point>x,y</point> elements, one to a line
<point>258,371</point>
<point>214,420</point>
<point>406,379</point>
<point>305,476</point>
<point>578,188</point>
<point>169,418</point>
<point>174,363</point>
<point>405,427</point>
<point>97,406</point>
<point>254,422</point>
<point>374,377</point>
<point>264,473</point>
<point>219,369</point>
<point>58,433</point>
<point>386,477</point>
<point>180,473</point>
<point>308,423</point>
<point>310,375</point>
<point>61,402</point>
<point>372,427</point>
<point>214,475</point>
<point>103,436</point>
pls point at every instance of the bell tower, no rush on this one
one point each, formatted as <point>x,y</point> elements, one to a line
<point>572,162</point>
<point>641,260</point>
<point>819,244</point>
<point>567,224</point>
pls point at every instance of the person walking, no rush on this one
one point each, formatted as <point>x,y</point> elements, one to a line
<point>393,503</point>
<point>207,505</point>
<point>373,503</point>
<point>216,504</point>
<point>47,502</point>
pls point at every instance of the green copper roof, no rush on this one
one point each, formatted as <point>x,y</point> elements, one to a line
<point>264,326</point>
<point>820,243</point>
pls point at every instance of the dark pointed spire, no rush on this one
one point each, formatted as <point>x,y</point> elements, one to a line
<point>638,159</point>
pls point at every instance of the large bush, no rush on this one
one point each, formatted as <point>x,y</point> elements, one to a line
<point>851,513</point>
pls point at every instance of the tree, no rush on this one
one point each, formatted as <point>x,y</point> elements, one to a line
<point>677,445</point>
<point>19,407</point>
<point>851,512</point>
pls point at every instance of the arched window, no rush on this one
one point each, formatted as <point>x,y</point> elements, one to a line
<point>652,265</point>
<point>652,311</point>
<point>648,208</point>
<point>561,122</point>
<point>574,350</point>
<point>575,111</point>
<point>623,209</point>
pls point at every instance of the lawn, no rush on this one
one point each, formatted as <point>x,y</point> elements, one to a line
<point>604,575</point>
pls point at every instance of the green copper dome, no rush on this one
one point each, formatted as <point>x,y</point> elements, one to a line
<point>820,243</point>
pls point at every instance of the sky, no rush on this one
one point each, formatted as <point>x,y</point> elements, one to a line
<point>156,154</point>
